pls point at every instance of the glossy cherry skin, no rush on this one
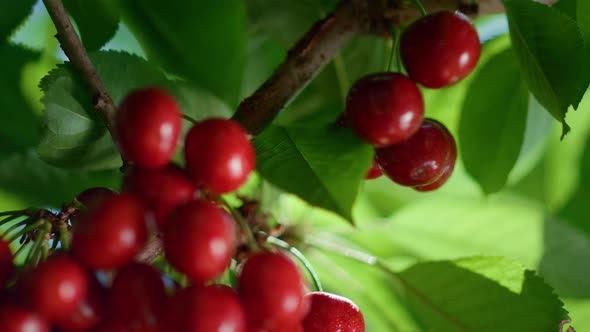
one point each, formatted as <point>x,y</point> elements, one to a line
<point>332,313</point>
<point>162,189</point>
<point>447,171</point>
<point>90,311</point>
<point>214,308</point>
<point>440,49</point>
<point>272,291</point>
<point>200,240</point>
<point>135,296</point>
<point>422,159</point>
<point>15,318</point>
<point>111,234</point>
<point>6,263</point>
<point>94,196</point>
<point>373,172</point>
<point>148,125</point>
<point>384,108</point>
<point>219,155</point>
<point>56,287</point>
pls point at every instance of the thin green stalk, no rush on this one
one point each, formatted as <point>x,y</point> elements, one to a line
<point>395,32</point>
<point>9,219</point>
<point>20,250</point>
<point>420,7</point>
<point>243,225</point>
<point>341,75</point>
<point>299,255</point>
<point>34,252</point>
<point>374,261</point>
<point>189,118</point>
<point>12,213</point>
<point>64,236</point>
<point>15,226</point>
<point>27,229</point>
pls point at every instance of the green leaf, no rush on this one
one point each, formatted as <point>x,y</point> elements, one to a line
<point>502,225</point>
<point>11,15</point>
<point>372,290</point>
<point>551,53</point>
<point>96,22</point>
<point>39,184</point>
<point>483,294</point>
<point>73,134</point>
<point>19,130</point>
<point>322,165</point>
<point>203,41</point>
<point>578,10</point>
<point>493,121</point>
<point>287,20</point>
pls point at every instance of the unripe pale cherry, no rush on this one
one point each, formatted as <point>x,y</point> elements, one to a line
<point>148,124</point>
<point>440,49</point>
<point>219,155</point>
<point>384,108</point>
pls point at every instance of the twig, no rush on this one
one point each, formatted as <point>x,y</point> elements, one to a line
<point>73,48</point>
<point>321,43</point>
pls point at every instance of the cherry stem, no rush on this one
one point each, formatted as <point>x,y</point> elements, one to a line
<point>12,213</point>
<point>299,255</point>
<point>27,229</point>
<point>374,261</point>
<point>20,250</point>
<point>15,226</point>
<point>64,236</point>
<point>243,225</point>
<point>33,254</point>
<point>420,7</point>
<point>189,118</point>
<point>9,219</point>
<point>395,33</point>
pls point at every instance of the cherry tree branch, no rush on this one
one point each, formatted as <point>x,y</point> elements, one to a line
<point>75,51</point>
<point>323,40</point>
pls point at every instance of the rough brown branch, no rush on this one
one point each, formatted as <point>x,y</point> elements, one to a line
<point>73,48</point>
<point>319,45</point>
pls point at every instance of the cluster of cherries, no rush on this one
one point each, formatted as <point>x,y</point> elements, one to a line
<point>183,209</point>
<point>200,237</point>
<point>387,109</point>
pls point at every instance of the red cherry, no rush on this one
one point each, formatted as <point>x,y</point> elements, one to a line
<point>162,189</point>
<point>56,287</point>
<point>213,308</point>
<point>14,318</point>
<point>332,313</point>
<point>422,159</point>
<point>373,172</point>
<point>384,108</point>
<point>135,295</point>
<point>219,155</point>
<point>6,263</point>
<point>111,234</point>
<point>200,240</point>
<point>148,125</point>
<point>89,313</point>
<point>447,171</point>
<point>440,49</point>
<point>272,291</point>
<point>94,196</point>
